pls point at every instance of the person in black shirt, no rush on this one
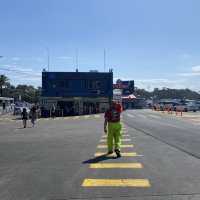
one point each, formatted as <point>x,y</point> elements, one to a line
<point>24,117</point>
<point>33,115</point>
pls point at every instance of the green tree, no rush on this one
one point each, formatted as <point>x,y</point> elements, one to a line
<point>4,81</point>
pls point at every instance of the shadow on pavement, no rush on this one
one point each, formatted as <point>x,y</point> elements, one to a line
<point>98,159</point>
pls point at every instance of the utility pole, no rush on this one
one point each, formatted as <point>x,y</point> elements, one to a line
<point>76,59</point>
<point>48,58</point>
<point>104,59</point>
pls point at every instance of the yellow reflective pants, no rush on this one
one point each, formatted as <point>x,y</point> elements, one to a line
<point>114,133</point>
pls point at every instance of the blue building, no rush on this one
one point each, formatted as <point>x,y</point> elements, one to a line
<point>77,92</point>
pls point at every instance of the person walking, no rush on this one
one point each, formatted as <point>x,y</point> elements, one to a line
<point>53,111</point>
<point>113,126</point>
<point>33,115</point>
<point>24,117</point>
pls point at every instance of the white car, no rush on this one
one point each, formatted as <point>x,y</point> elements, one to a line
<point>18,110</point>
<point>191,106</point>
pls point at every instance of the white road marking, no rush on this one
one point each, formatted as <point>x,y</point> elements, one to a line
<point>142,116</point>
<point>154,116</point>
<point>129,115</point>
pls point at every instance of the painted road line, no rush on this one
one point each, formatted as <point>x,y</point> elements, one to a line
<point>86,116</point>
<point>97,116</point>
<point>76,117</point>
<point>116,183</point>
<point>129,115</point>
<point>116,166</point>
<point>130,154</point>
<point>154,116</point>
<point>123,140</point>
<point>142,116</point>
<point>122,146</point>
<point>195,120</point>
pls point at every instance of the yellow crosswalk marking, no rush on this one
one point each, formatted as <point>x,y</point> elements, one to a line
<point>123,135</point>
<point>123,140</point>
<point>130,154</point>
<point>76,117</point>
<point>116,183</point>
<point>116,165</point>
<point>122,146</point>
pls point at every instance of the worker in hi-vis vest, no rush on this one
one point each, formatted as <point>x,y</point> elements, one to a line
<point>113,126</point>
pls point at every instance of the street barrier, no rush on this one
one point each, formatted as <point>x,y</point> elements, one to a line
<point>169,109</point>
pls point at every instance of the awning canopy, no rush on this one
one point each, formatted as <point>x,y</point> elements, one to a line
<point>131,96</point>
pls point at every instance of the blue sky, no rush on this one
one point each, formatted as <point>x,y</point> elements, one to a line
<point>156,43</point>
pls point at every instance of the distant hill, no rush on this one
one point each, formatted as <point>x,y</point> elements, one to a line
<point>167,93</point>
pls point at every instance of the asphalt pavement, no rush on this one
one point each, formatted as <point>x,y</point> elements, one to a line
<point>63,158</point>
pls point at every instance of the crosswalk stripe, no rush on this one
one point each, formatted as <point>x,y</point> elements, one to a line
<point>123,135</point>
<point>97,116</point>
<point>122,146</point>
<point>142,116</point>
<point>123,140</point>
<point>116,165</point>
<point>130,154</point>
<point>154,116</point>
<point>76,117</point>
<point>116,183</point>
<point>86,116</point>
<point>129,115</point>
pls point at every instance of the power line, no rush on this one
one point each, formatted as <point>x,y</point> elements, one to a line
<point>104,59</point>
<point>19,71</point>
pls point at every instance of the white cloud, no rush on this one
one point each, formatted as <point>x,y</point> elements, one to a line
<point>196,69</point>
<point>185,56</point>
<point>150,84</point>
<point>16,58</point>
<point>64,58</point>
<point>21,75</point>
<point>176,83</point>
<point>190,74</point>
<point>18,69</point>
<point>38,59</point>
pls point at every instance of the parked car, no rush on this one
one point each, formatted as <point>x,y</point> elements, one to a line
<point>185,107</point>
<point>198,104</point>
<point>18,110</point>
<point>191,106</point>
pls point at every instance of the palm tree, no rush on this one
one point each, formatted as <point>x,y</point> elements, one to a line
<point>3,82</point>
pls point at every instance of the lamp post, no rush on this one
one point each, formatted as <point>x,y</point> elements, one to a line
<point>48,58</point>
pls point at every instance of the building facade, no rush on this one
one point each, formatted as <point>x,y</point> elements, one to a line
<point>76,93</point>
<point>124,93</point>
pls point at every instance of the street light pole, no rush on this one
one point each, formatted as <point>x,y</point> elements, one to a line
<point>104,59</point>
<point>48,58</point>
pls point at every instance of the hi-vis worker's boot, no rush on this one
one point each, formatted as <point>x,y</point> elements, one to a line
<point>114,133</point>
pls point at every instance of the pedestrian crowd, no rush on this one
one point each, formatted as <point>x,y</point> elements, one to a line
<point>32,115</point>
